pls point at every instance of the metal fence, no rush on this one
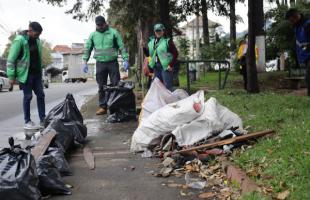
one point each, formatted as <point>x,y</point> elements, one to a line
<point>220,69</point>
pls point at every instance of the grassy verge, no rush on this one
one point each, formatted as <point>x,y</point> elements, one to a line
<point>280,162</point>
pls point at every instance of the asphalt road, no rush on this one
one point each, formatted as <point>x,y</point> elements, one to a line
<point>11,110</point>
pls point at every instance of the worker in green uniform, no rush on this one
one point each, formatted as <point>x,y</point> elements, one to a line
<point>24,65</point>
<point>106,43</point>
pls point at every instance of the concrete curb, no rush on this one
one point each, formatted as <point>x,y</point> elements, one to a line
<point>234,173</point>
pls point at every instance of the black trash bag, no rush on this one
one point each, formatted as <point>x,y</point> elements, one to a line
<point>79,131</point>
<point>121,102</point>
<point>18,175</point>
<point>60,161</point>
<point>50,181</point>
<point>64,136</point>
<point>121,116</point>
<point>66,111</point>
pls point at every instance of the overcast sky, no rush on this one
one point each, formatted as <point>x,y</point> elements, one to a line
<point>59,28</point>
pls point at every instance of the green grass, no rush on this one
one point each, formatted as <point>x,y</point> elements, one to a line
<point>254,196</point>
<point>282,161</point>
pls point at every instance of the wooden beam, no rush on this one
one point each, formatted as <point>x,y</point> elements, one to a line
<point>43,143</point>
<point>89,157</point>
<point>228,141</point>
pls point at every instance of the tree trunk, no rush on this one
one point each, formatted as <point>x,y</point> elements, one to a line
<point>232,16</point>
<point>260,36</point>
<point>252,84</point>
<point>205,22</point>
<point>164,9</point>
<point>282,61</point>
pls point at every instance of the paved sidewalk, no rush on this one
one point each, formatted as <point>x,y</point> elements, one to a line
<point>119,174</point>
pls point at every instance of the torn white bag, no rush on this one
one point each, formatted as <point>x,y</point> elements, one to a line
<point>166,119</point>
<point>214,119</point>
<point>157,97</point>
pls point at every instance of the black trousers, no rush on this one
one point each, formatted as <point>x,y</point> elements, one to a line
<point>245,76</point>
<point>103,70</point>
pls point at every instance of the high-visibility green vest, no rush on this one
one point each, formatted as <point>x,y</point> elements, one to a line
<point>161,50</point>
<point>106,46</point>
<point>18,60</point>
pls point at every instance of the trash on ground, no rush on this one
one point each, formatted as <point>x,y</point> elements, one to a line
<point>66,111</point>
<point>19,179</point>
<point>25,173</point>
<point>187,133</point>
<point>165,120</point>
<point>206,195</point>
<point>60,161</point>
<point>121,102</point>
<point>194,182</point>
<point>64,136</point>
<point>50,181</point>
<point>79,131</point>
<point>43,143</point>
<point>147,154</point>
<point>157,97</point>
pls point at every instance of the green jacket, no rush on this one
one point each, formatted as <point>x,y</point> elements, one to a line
<point>18,60</point>
<point>161,51</point>
<point>106,46</point>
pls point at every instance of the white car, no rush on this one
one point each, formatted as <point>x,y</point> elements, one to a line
<point>5,82</point>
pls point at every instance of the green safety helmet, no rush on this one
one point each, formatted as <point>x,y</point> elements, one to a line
<point>159,27</point>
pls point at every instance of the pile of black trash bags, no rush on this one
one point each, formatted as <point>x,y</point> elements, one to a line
<point>22,178</point>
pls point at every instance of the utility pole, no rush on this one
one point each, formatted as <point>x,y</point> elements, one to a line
<point>252,85</point>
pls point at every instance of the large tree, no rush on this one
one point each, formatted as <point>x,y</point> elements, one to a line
<point>252,85</point>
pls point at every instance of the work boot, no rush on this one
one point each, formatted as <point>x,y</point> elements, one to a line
<point>101,111</point>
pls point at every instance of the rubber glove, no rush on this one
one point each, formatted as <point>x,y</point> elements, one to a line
<point>85,68</point>
<point>126,65</point>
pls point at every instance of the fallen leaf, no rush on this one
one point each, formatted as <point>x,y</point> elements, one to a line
<point>184,187</point>
<point>269,151</point>
<point>189,168</point>
<point>225,192</point>
<point>206,195</point>
<point>182,193</point>
<point>283,195</point>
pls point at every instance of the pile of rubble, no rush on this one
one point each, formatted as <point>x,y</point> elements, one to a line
<point>189,135</point>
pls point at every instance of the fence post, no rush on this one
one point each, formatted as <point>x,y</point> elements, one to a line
<point>226,75</point>
<point>220,81</point>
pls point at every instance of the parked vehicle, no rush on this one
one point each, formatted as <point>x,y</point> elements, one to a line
<point>74,72</point>
<point>5,82</point>
<point>45,81</point>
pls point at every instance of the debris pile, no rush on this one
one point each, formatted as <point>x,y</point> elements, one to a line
<point>183,123</point>
<point>37,171</point>
<point>121,102</point>
<point>189,134</point>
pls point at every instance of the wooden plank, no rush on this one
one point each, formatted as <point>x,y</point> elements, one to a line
<point>89,157</point>
<point>228,141</point>
<point>43,143</point>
